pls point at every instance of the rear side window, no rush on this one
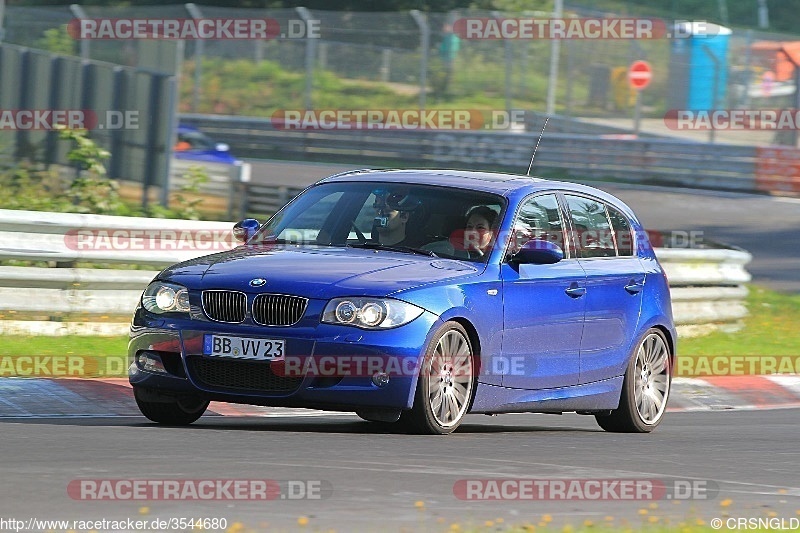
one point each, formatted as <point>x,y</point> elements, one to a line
<point>622,231</point>
<point>593,234</point>
<point>538,218</point>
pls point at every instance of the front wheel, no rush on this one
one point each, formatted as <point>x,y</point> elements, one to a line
<point>171,411</point>
<point>446,383</point>
<point>645,388</point>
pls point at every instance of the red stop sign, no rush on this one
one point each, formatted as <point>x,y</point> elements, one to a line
<point>639,75</point>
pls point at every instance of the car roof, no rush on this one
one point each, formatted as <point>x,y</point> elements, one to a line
<point>492,182</point>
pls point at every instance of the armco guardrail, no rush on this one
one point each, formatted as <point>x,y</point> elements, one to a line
<point>707,284</point>
<point>643,160</point>
<point>62,239</point>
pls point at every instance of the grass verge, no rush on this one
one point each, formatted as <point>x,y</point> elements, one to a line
<point>769,329</point>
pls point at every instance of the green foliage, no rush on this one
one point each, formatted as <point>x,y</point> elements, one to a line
<point>31,186</point>
<point>26,186</point>
<point>91,191</point>
<point>57,40</point>
<point>195,176</point>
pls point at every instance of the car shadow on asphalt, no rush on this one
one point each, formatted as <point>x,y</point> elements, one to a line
<point>330,425</point>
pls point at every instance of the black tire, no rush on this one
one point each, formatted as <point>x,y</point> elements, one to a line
<point>456,384</point>
<point>643,412</point>
<point>172,411</point>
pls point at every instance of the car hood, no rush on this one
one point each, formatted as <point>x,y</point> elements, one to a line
<point>315,272</point>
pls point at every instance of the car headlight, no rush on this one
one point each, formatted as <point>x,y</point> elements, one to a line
<point>161,297</point>
<point>370,313</point>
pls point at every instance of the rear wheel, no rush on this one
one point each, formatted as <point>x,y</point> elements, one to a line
<point>446,383</point>
<point>171,411</point>
<point>645,388</point>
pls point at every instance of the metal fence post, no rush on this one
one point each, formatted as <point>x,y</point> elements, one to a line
<point>26,80</point>
<point>160,85</point>
<point>425,44</point>
<point>2,20</point>
<point>555,51</point>
<point>84,43</point>
<point>258,53</point>
<point>715,88</point>
<point>748,73</point>
<point>305,14</point>
<point>508,59</point>
<point>171,111</point>
<point>54,101</point>
<point>118,100</point>
<point>199,49</point>
<point>386,64</point>
<point>570,75</point>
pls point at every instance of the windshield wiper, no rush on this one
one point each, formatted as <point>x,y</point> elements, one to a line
<point>372,245</point>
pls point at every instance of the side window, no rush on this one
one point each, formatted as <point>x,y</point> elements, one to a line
<point>538,218</point>
<point>622,231</point>
<point>593,234</point>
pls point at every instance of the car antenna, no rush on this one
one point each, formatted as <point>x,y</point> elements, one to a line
<point>537,145</point>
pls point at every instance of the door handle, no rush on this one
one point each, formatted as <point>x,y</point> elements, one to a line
<point>575,290</point>
<point>634,286</point>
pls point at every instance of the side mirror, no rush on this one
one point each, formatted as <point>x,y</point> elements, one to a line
<point>245,229</point>
<point>538,252</point>
<point>222,147</point>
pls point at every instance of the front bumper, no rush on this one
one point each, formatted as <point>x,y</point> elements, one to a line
<point>325,366</point>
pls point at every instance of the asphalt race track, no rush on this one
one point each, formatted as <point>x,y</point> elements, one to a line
<point>375,479</point>
<point>768,227</point>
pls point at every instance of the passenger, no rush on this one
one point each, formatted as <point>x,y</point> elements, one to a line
<point>479,231</point>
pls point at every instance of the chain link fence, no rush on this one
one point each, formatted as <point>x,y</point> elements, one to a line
<point>411,60</point>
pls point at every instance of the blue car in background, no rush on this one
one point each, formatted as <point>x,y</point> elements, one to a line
<point>194,145</point>
<point>414,297</point>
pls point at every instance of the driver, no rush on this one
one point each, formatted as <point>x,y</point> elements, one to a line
<point>392,212</point>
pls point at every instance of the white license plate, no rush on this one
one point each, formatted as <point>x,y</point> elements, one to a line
<point>242,347</point>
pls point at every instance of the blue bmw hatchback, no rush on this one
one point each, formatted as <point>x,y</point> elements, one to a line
<point>415,297</point>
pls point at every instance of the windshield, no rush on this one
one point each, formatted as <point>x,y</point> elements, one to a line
<point>407,218</point>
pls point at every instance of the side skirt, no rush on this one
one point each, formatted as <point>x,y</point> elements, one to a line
<point>596,396</point>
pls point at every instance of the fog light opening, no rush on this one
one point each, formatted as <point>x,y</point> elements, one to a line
<point>380,379</point>
<point>150,362</point>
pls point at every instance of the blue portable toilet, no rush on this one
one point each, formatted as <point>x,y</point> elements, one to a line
<point>699,66</point>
